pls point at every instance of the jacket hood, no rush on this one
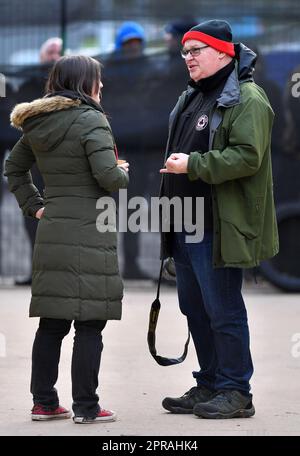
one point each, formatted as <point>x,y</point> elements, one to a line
<point>243,72</point>
<point>44,120</point>
<point>246,62</point>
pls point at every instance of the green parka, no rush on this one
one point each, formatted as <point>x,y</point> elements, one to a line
<point>75,272</point>
<point>238,167</point>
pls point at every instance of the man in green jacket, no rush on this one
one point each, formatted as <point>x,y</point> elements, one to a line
<point>219,149</point>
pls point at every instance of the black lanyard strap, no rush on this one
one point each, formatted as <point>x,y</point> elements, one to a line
<point>154,313</point>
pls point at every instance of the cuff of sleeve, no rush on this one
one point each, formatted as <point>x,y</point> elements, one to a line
<point>192,166</point>
<point>31,211</point>
<point>126,177</point>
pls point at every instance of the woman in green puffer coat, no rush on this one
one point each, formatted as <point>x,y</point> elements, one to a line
<point>75,273</point>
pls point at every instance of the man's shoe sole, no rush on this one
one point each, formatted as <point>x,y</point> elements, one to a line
<point>242,413</point>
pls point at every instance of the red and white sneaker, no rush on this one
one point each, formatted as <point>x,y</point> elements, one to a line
<point>42,413</point>
<point>103,416</point>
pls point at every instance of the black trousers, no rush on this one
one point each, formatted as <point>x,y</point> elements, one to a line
<point>86,358</point>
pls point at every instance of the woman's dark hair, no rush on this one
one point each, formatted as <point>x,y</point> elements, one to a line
<point>77,73</point>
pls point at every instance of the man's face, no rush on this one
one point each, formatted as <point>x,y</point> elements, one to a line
<point>133,47</point>
<point>52,53</point>
<point>173,43</point>
<point>203,65</point>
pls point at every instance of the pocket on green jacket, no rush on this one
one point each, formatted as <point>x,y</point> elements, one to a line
<point>245,215</point>
<point>236,246</point>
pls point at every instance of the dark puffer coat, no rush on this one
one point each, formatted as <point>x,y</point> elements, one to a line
<point>75,266</point>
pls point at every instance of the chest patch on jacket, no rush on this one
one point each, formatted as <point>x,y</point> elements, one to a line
<point>202,122</point>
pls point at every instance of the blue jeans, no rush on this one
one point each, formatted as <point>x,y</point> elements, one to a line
<point>212,301</point>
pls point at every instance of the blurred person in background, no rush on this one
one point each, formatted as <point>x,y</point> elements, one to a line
<point>51,50</point>
<point>75,274</point>
<point>130,40</point>
<point>32,88</point>
<point>8,135</point>
<point>127,75</point>
<point>287,181</point>
<point>274,94</point>
<point>172,72</point>
<point>173,34</point>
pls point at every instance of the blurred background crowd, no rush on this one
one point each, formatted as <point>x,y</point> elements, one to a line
<point>138,42</point>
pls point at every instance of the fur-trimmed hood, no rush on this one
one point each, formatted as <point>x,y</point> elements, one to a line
<point>45,121</point>
<point>24,111</point>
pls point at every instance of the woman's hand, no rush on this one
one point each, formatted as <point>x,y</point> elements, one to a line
<point>125,166</point>
<point>176,164</point>
<point>39,213</point>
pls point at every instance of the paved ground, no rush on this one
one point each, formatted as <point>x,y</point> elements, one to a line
<point>133,384</point>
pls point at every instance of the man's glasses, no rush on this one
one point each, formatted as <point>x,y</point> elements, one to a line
<point>193,51</point>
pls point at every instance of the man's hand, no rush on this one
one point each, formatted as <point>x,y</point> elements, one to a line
<point>176,164</point>
<point>39,213</point>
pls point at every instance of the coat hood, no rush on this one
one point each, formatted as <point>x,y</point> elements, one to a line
<point>243,72</point>
<point>44,120</point>
<point>246,62</point>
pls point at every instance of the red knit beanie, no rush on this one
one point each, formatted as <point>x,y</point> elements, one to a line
<point>216,34</point>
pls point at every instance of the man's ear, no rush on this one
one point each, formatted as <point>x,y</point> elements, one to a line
<point>221,55</point>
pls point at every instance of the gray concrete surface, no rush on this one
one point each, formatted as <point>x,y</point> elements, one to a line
<point>132,384</point>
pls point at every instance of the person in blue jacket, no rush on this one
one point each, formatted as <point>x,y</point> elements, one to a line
<point>130,39</point>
